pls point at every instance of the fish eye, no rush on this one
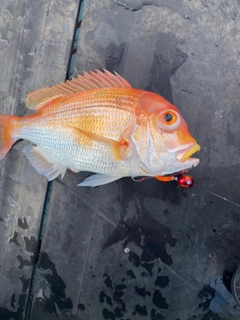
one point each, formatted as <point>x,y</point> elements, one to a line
<point>168,120</point>
<point>169,117</point>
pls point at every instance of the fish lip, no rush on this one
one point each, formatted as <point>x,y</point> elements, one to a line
<point>187,152</point>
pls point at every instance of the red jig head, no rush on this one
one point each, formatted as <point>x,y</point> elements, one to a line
<point>184,180</point>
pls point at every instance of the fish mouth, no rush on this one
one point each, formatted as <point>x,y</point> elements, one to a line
<point>186,153</point>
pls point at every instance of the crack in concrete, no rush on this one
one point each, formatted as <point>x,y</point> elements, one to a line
<point>171,4</point>
<point>224,198</point>
<point>138,8</point>
<point>178,276</point>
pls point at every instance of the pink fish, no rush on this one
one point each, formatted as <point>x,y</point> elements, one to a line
<point>99,123</point>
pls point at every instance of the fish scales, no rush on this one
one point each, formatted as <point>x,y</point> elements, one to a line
<point>87,114</point>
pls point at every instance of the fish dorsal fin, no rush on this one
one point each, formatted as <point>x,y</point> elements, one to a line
<point>88,81</point>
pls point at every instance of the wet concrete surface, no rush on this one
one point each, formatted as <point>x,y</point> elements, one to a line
<point>35,42</point>
<point>154,250</point>
<point>150,250</point>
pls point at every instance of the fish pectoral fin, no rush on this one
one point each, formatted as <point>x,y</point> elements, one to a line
<point>97,180</point>
<point>92,80</point>
<point>42,165</point>
<point>120,149</point>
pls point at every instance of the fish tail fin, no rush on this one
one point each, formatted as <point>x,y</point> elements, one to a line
<point>6,134</point>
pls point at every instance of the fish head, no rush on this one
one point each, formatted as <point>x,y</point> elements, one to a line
<point>169,144</point>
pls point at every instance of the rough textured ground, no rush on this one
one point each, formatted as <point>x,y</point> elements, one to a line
<point>147,250</point>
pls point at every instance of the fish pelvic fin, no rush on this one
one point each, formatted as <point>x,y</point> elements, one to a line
<point>6,133</point>
<point>97,180</point>
<point>42,165</point>
<point>88,81</point>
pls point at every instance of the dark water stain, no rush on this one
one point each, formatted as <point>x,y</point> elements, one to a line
<point>21,304</point>
<point>166,61</point>
<point>134,258</point>
<point>24,262</point>
<point>156,316</point>
<point>155,241</point>
<point>140,310</point>
<point>22,300</point>
<point>46,263</point>
<point>227,278</point>
<point>167,58</point>
<point>22,223</point>
<point>144,274</point>
<point>142,229</point>
<point>232,137</point>
<point>211,316</point>
<point>225,245</point>
<point>168,192</point>
<point>107,281</point>
<point>118,294</point>
<point>235,215</point>
<point>159,301</point>
<point>142,291</point>
<point>5,314</point>
<point>145,232</point>
<point>206,294</point>
<point>131,274</point>
<point>103,297</point>
<point>108,314</point>
<point>30,243</point>
<point>112,315</point>
<point>14,239</point>
<point>114,298</point>
<point>166,212</point>
<point>66,304</point>
<point>13,301</point>
<point>148,267</point>
<point>25,283</point>
<point>114,54</point>
<point>57,287</point>
<point>162,281</point>
<point>81,306</point>
<point>118,312</point>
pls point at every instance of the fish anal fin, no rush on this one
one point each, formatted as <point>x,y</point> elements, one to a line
<point>88,81</point>
<point>42,165</point>
<point>97,180</point>
<point>120,148</point>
